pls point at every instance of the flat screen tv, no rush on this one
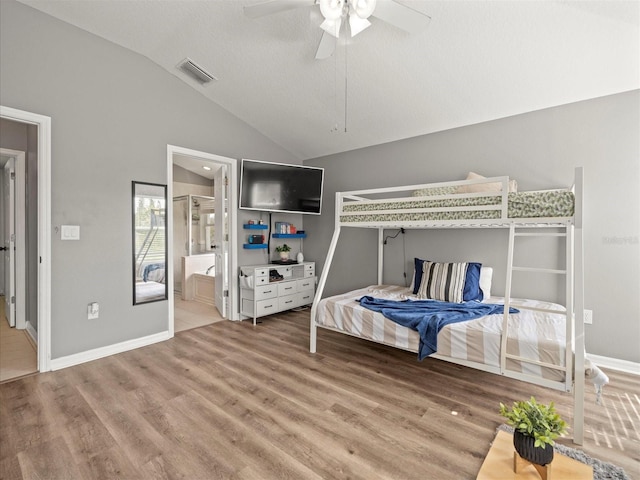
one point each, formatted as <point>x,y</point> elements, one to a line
<point>279,187</point>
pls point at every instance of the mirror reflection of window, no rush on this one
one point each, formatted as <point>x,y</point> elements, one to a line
<point>149,242</point>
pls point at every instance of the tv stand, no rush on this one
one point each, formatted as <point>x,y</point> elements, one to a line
<point>263,292</point>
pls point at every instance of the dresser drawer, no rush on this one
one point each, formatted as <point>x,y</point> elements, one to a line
<point>262,292</point>
<point>267,307</point>
<point>305,298</point>
<point>263,307</point>
<point>261,272</point>
<point>287,288</point>
<point>261,280</point>
<point>309,271</point>
<point>305,284</point>
<point>287,302</point>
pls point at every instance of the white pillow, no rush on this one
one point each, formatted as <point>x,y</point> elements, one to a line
<point>485,187</point>
<point>486,273</point>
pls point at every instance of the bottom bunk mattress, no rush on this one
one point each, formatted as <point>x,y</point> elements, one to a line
<point>535,335</point>
<point>150,291</point>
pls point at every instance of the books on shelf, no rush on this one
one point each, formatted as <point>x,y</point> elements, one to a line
<point>284,227</point>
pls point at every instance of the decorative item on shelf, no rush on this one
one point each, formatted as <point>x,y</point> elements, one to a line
<point>283,250</point>
<point>256,238</point>
<point>536,425</point>
<point>300,257</point>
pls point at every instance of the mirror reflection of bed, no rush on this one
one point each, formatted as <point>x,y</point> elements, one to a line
<point>194,304</point>
<point>151,287</point>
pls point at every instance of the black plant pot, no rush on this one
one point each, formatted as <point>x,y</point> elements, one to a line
<point>525,446</point>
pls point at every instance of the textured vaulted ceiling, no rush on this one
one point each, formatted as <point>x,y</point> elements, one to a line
<point>477,61</point>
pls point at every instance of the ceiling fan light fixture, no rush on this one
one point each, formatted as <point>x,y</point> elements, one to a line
<point>332,27</point>
<point>362,8</point>
<point>332,9</point>
<point>357,24</point>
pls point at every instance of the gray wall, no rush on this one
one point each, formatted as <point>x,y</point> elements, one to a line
<point>113,113</point>
<point>186,176</point>
<point>540,150</point>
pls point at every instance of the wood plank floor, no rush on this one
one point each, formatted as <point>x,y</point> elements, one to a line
<point>192,314</point>
<point>233,401</point>
<point>18,351</point>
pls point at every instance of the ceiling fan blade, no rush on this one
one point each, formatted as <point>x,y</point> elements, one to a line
<point>400,16</point>
<point>326,47</point>
<point>274,6</point>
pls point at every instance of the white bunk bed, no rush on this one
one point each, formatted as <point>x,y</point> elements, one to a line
<point>477,203</point>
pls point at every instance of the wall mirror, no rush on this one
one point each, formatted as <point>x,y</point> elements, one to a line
<point>149,242</point>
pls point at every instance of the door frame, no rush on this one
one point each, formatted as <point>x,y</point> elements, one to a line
<point>232,169</point>
<point>44,227</point>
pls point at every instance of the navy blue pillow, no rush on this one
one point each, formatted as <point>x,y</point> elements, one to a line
<point>472,290</point>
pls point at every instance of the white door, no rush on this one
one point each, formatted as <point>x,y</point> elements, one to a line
<point>221,239</point>
<point>15,267</point>
<point>9,242</point>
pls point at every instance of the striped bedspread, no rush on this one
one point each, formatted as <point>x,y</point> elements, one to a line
<point>532,335</point>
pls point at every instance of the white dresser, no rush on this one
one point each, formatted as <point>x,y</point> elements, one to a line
<point>263,294</point>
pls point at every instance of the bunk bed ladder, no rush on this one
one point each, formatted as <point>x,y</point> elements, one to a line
<point>145,247</point>
<point>567,272</point>
<point>574,369</point>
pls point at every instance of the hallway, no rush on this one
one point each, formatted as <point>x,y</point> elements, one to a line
<point>18,352</point>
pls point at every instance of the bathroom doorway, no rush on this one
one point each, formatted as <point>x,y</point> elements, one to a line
<point>201,238</point>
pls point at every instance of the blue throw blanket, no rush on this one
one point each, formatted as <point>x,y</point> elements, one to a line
<point>428,317</point>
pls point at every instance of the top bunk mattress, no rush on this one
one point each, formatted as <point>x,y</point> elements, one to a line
<point>444,205</point>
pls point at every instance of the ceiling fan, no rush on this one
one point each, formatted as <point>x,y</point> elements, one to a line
<point>340,13</point>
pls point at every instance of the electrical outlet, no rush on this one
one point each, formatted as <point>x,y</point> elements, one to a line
<point>93,311</point>
<point>588,317</point>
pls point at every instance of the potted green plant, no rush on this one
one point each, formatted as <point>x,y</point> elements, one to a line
<point>536,425</point>
<point>283,250</point>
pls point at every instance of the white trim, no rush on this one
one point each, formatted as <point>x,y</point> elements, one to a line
<point>101,352</point>
<point>20,243</point>
<point>232,164</point>
<point>44,227</point>
<point>615,364</point>
<point>32,332</point>
<point>168,233</point>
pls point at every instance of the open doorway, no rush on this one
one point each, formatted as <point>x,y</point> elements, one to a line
<point>32,280</point>
<point>201,225</point>
<point>18,336</point>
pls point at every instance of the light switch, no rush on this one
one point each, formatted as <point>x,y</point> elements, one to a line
<point>70,232</point>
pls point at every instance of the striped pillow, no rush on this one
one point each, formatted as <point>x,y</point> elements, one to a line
<point>443,281</point>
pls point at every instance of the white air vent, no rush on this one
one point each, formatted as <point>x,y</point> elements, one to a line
<point>195,71</point>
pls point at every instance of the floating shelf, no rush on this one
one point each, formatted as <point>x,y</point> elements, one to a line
<point>254,246</point>
<point>254,226</point>
<point>289,235</point>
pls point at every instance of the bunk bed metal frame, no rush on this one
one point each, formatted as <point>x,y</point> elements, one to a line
<point>569,228</point>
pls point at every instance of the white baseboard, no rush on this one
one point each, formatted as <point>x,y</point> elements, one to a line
<point>32,332</point>
<point>89,355</point>
<point>616,364</point>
